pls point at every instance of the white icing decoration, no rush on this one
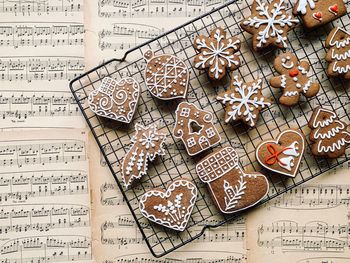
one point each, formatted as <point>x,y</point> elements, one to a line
<point>338,43</point>
<point>245,102</point>
<point>343,56</point>
<point>166,75</point>
<point>207,137</point>
<point>291,93</point>
<point>176,213</point>
<point>323,122</point>
<point>273,18</point>
<point>302,4</point>
<point>217,53</point>
<point>296,151</point>
<point>307,86</point>
<point>340,70</point>
<point>288,66</point>
<point>114,99</point>
<point>283,81</point>
<point>146,145</point>
<point>228,160</point>
<point>288,162</point>
<point>335,146</point>
<point>302,70</point>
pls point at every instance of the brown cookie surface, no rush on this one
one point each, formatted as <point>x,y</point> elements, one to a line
<point>243,101</point>
<point>166,76</point>
<point>231,188</point>
<point>282,155</point>
<point>172,207</point>
<point>293,79</point>
<point>217,53</point>
<point>146,145</point>
<point>338,55</point>
<point>195,128</point>
<point>329,135</point>
<point>116,100</point>
<point>269,24</point>
<point>315,13</point>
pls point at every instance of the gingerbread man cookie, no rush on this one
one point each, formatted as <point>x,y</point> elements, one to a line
<point>217,53</point>
<point>243,101</point>
<point>269,24</point>
<point>315,13</point>
<point>293,79</point>
<point>338,55</point>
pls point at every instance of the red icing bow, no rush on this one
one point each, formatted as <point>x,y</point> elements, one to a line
<point>273,158</point>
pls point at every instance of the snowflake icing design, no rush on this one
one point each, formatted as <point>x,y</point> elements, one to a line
<point>217,53</point>
<point>273,21</point>
<point>243,101</point>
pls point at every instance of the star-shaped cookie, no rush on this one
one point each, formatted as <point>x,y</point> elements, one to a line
<point>269,24</point>
<point>243,101</point>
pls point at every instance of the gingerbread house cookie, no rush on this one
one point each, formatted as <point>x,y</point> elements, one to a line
<point>195,128</point>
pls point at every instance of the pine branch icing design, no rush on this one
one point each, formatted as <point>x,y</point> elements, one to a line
<point>269,23</point>
<point>217,53</point>
<point>147,144</point>
<point>234,194</point>
<point>243,101</point>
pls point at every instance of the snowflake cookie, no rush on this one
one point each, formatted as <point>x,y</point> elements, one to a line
<point>269,24</point>
<point>315,13</point>
<point>329,135</point>
<point>146,145</point>
<point>283,155</point>
<point>231,188</point>
<point>338,55</point>
<point>293,79</point>
<point>217,53</point>
<point>116,100</point>
<point>171,208</point>
<point>243,101</point>
<point>166,76</point>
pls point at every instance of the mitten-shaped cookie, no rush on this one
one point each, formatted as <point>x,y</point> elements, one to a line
<point>293,79</point>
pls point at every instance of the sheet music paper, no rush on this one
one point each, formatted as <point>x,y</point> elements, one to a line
<point>41,49</point>
<point>44,197</point>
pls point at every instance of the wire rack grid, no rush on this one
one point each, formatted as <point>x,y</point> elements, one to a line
<point>114,139</point>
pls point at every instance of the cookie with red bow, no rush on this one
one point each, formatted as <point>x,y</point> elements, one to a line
<point>315,13</point>
<point>293,79</point>
<point>283,154</point>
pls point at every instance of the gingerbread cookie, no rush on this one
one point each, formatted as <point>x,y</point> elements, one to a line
<point>217,53</point>
<point>195,128</point>
<point>338,55</point>
<point>283,155</point>
<point>166,76</point>
<point>147,144</point>
<point>293,79</point>
<point>315,13</point>
<point>243,101</point>
<point>231,188</point>
<point>269,24</point>
<point>171,208</point>
<point>329,135</point>
<point>116,100</point>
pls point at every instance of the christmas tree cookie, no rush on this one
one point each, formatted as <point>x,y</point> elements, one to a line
<point>329,135</point>
<point>315,13</point>
<point>338,55</point>
<point>269,24</point>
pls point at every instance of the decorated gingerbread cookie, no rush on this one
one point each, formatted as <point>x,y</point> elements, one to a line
<point>171,208</point>
<point>283,155</point>
<point>217,53</point>
<point>231,188</point>
<point>338,55</point>
<point>116,100</point>
<point>243,101</point>
<point>293,79</point>
<point>195,128</point>
<point>315,13</point>
<point>329,135</point>
<point>147,144</point>
<point>269,24</point>
<point>166,76</point>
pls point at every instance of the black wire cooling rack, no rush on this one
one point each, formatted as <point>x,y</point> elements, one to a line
<point>114,139</point>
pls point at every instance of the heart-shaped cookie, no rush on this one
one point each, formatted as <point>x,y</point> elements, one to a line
<point>116,100</point>
<point>171,208</point>
<point>284,154</point>
<point>231,188</point>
